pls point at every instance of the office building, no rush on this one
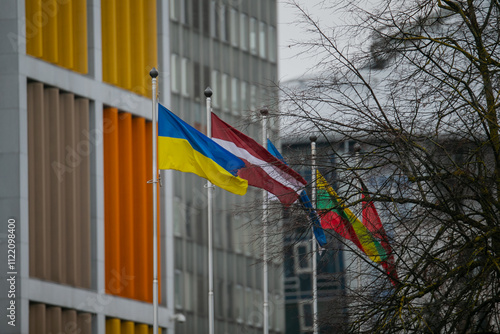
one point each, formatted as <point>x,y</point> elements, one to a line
<point>75,157</point>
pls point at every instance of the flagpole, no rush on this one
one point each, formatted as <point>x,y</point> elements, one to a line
<point>208,96</point>
<point>264,112</point>
<point>314,250</point>
<point>154,74</point>
<point>357,148</point>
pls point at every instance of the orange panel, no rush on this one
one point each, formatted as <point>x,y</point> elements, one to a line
<point>128,247</point>
<point>149,225</point>
<point>140,207</point>
<point>113,285</point>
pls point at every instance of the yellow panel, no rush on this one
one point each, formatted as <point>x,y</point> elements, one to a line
<point>139,71</point>
<point>109,48</point>
<point>65,29</point>
<point>123,45</point>
<point>150,34</point>
<point>128,327</point>
<point>113,326</point>
<point>34,25</point>
<point>80,52</point>
<point>141,329</point>
<point>50,35</point>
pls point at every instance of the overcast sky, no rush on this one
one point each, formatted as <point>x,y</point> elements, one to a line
<point>292,65</point>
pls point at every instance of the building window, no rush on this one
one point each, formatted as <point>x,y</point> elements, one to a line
<point>224,23</point>
<point>239,302</point>
<point>185,76</point>
<point>198,89</point>
<point>249,306</point>
<point>174,10</point>
<point>238,240</point>
<point>234,27</point>
<point>306,316</point>
<point>206,15</point>
<point>178,217</point>
<point>174,73</point>
<point>185,11</point>
<point>179,289</point>
<point>272,44</point>
<point>219,299</point>
<point>224,91</point>
<point>279,313</point>
<point>215,88</point>
<point>253,36</point>
<point>235,101</point>
<point>244,32</point>
<point>262,39</point>
<point>302,256</point>
<point>258,312</point>
<point>188,288</point>
<point>196,14</point>
<point>230,302</point>
<point>214,19</point>
<point>253,98</point>
<point>243,95</point>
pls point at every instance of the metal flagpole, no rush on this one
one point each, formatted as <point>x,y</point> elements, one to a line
<point>264,112</point>
<point>154,74</point>
<point>208,95</point>
<point>357,148</point>
<point>314,248</point>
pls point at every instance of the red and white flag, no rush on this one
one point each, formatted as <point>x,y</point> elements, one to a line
<point>262,169</point>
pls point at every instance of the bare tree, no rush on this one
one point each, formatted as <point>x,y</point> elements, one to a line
<point>420,94</point>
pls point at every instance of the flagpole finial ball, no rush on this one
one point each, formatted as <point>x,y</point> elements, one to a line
<point>208,92</point>
<point>153,73</point>
<point>264,111</point>
<point>357,147</point>
<point>313,138</point>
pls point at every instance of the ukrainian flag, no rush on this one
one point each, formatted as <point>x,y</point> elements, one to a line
<point>183,148</point>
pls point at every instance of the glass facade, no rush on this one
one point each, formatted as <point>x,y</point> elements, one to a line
<point>298,262</point>
<point>224,45</point>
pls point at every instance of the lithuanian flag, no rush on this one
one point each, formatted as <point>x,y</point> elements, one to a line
<point>338,217</point>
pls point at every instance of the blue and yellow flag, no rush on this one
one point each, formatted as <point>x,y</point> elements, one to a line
<point>183,148</point>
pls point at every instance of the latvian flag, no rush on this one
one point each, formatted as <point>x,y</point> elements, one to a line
<point>262,169</point>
